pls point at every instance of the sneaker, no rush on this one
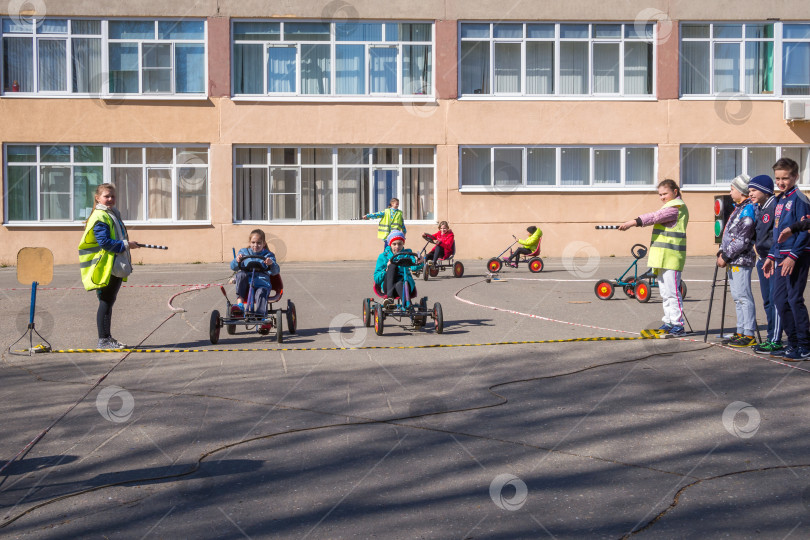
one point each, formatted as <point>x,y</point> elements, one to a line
<point>767,347</point>
<point>666,327</point>
<point>733,338</point>
<point>794,354</point>
<point>676,331</point>
<point>388,303</point>
<point>236,310</point>
<point>743,341</point>
<point>264,329</point>
<point>804,352</point>
<point>790,349</point>
<point>110,343</point>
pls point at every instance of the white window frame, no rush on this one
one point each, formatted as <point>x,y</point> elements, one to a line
<point>778,46</point>
<point>335,167</point>
<point>104,92</point>
<point>714,185</point>
<point>333,43</point>
<point>624,28</point>
<point>107,167</point>
<point>524,186</point>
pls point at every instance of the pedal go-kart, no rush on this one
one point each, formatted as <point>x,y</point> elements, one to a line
<point>262,322</point>
<point>635,286</point>
<point>441,265</point>
<point>417,314</point>
<point>495,264</point>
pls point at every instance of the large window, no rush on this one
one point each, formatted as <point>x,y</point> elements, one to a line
<point>516,168</point>
<point>331,184</point>
<point>556,59</point>
<point>735,58</point>
<point>155,184</point>
<point>317,59</point>
<point>99,57</point>
<point>718,165</point>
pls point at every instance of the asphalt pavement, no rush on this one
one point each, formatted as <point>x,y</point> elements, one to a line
<point>513,423</point>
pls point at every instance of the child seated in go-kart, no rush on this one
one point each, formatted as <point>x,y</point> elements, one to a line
<point>257,248</point>
<point>443,239</point>
<point>390,277</point>
<point>527,246</point>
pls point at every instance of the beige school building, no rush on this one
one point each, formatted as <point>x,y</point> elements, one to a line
<point>214,118</point>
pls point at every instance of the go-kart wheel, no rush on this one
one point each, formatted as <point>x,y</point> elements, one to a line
<point>213,330</point>
<point>279,326</point>
<point>603,289</point>
<point>494,265</point>
<point>458,269</point>
<point>367,312</point>
<point>438,318</point>
<point>231,329</point>
<point>642,290</point>
<point>434,271</point>
<point>292,317</point>
<point>630,291</point>
<point>379,318</point>
<point>535,265</point>
<point>425,272</point>
<point>682,289</point>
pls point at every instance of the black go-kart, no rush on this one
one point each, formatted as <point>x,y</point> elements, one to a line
<point>262,322</point>
<point>416,314</point>
<point>445,263</point>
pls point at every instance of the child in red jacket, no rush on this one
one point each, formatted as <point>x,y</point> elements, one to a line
<point>444,243</point>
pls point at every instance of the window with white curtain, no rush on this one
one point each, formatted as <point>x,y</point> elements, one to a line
<point>329,184</point>
<point>154,184</point>
<point>522,168</point>
<point>556,59</point>
<point>66,57</point>
<point>323,59</point>
<point>718,165</point>
<point>742,58</point>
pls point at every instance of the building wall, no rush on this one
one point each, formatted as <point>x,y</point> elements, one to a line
<point>483,222</point>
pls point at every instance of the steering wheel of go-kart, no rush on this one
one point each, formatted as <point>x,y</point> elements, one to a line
<point>253,262</point>
<point>638,251</point>
<point>429,238</point>
<point>404,259</point>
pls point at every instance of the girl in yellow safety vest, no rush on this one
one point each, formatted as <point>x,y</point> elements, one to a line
<point>104,260</point>
<point>667,254</point>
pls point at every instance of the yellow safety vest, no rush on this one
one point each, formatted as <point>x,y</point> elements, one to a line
<point>392,219</point>
<point>95,263</point>
<point>668,244</point>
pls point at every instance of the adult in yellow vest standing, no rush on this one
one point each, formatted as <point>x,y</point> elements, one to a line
<point>104,260</point>
<point>392,219</point>
<point>667,251</point>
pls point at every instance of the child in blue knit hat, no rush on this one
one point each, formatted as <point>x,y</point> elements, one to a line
<point>760,190</point>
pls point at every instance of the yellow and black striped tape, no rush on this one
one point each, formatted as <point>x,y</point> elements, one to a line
<point>371,347</point>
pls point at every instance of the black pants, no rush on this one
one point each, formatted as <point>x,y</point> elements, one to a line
<point>106,299</point>
<point>437,253</point>
<point>393,284</point>
<point>518,252</point>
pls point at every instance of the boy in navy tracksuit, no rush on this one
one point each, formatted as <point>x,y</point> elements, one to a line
<point>788,261</point>
<point>760,189</point>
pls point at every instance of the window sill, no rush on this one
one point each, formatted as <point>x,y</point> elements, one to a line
<point>364,222</point>
<point>80,225</point>
<point>507,190</point>
<point>110,97</point>
<point>739,97</point>
<point>581,97</point>
<point>335,99</point>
